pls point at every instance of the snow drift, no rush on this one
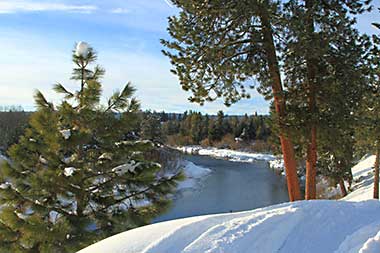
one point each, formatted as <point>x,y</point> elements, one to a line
<point>363,180</point>
<point>305,226</point>
<point>194,174</point>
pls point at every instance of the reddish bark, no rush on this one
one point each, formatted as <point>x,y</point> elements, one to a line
<point>376,178</point>
<point>342,187</point>
<point>311,156</point>
<point>279,101</point>
<point>311,164</point>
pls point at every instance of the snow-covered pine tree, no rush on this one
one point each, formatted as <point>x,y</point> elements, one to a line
<point>78,175</point>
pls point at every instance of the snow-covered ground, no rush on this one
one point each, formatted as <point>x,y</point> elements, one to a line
<point>345,226</point>
<point>194,174</point>
<point>362,187</point>
<point>229,154</point>
<point>306,226</point>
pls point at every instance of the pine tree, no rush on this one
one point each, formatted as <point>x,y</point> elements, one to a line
<point>217,45</point>
<point>151,128</point>
<point>75,177</point>
<point>196,130</point>
<point>313,27</point>
<point>369,133</point>
<point>345,71</point>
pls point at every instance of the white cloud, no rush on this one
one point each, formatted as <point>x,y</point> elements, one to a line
<point>120,11</point>
<point>13,6</point>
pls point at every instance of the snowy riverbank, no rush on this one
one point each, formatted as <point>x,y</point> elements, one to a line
<point>345,226</point>
<point>194,174</point>
<point>228,154</point>
<point>276,163</point>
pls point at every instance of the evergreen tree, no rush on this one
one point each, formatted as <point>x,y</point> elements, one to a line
<point>151,128</point>
<point>214,132</point>
<point>311,29</point>
<point>252,129</point>
<point>74,177</point>
<point>205,126</point>
<point>369,133</point>
<point>340,115</point>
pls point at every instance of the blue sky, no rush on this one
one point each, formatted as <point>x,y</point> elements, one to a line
<point>37,36</point>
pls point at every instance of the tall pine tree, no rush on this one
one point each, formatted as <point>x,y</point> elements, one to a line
<point>218,45</point>
<point>311,29</point>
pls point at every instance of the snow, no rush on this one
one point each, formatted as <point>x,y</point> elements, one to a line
<point>283,228</point>
<point>277,165</point>
<point>69,159</point>
<point>43,160</point>
<point>127,167</point>
<point>229,154</point>
<point>3,159</point>
<point>5,185</point>
<point>82,49</point>
<point>371,245</point>
<point>69,171</point>
<point>105,156</point>
<point>363,180</point>
<point>66,133</point>
<point>194,174</point>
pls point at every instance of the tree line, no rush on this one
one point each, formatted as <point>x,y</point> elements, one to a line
<point>193,128</point>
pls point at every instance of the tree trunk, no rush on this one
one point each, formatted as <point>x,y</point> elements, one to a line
<point>279,101</point>
<point>376,171</point>
<point>342,187</point>
<point>82,80</point>
<point>311,156</point>
<point>311,164</point>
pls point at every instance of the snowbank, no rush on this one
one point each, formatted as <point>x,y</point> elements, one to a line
<point>362,188</point>
<point>194,174</point>
<point>3,158</point>
<point>229,154</point>
<point>305,226</point>
<point>277,165</point>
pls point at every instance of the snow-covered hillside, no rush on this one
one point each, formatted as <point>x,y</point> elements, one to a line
<point>306,226</point>
<point>345,226</point>
<point>363,180</point>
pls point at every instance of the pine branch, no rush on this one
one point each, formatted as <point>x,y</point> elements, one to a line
<point>60,89</point>
<point>119,100</point>
<point>118,201</point>
<point>41,101</point>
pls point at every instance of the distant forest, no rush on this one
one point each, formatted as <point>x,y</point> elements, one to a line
<point>248,132</point>
<point>194,128</point>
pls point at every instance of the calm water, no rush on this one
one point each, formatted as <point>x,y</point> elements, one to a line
<point>231,187</point>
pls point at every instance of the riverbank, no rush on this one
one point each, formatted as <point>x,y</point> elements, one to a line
<point>325,188</point>
<point>228,154</point>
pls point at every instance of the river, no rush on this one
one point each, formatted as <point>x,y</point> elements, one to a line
<point>230,187</point>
